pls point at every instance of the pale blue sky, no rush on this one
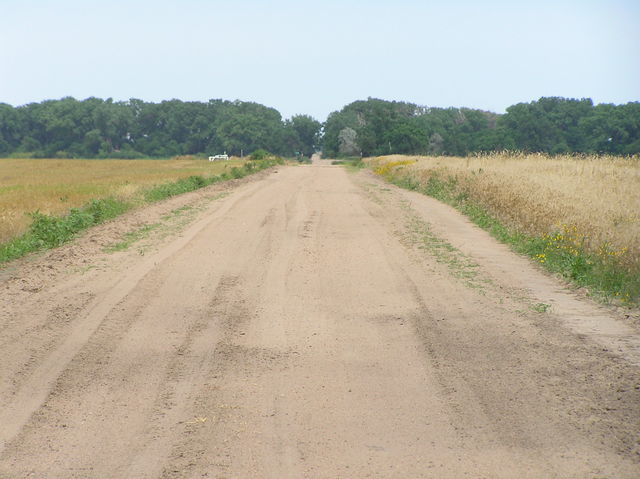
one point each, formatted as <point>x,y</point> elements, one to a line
<point>315,57</point>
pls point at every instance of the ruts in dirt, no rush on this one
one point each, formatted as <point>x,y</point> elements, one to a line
<point>308,323</point>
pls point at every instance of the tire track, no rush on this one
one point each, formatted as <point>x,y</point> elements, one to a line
<point>34,390</point>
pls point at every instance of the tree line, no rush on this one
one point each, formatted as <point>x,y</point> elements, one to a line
<point>96,128</point>
<point>551,125</point>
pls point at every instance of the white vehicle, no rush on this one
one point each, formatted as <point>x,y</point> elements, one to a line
<point>219,157</point>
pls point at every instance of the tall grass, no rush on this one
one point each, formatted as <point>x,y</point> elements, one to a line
<point>576,216</point>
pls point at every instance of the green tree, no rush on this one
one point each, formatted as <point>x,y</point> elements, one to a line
<point>9,129</point>
<point>551,125</point>
<point>302,134</point>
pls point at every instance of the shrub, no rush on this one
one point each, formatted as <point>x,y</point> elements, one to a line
<point>260,155</point>
<point>183,185</point>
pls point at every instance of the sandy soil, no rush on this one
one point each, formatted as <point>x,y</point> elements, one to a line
<point>308,323</point>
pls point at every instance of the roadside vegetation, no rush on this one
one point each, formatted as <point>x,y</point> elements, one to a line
<point>577,216</point>
<point>45,203</point>
<point>354,163</point>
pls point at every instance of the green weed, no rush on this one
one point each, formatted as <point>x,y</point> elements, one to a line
<point>460,265</point>
<point>48,231</point>
<point>132,237</point>
<point>541,307</point>
<point>352,164</point>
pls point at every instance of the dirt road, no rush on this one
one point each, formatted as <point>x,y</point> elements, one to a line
<point>307,323</point>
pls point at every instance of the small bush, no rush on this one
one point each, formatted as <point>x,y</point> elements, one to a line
<point>105,209</point>
<point>260,155</point>
<point>183,185</point>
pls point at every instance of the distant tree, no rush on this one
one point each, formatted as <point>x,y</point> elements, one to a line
<point>9,129</point>
<point>348,144</point>
<point>302,134</point>
<point>406,137</point>
<point>335,123</point>
<point>246,126</point>
<point>551,125</point>
<point>613,129</point>
<point>100,128</point>
<point>436,144</point>
<point>384,127</point>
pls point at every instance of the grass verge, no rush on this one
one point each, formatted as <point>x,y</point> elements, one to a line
<point>48,231</point>
<point>351,164</point>
<point>561,252</point>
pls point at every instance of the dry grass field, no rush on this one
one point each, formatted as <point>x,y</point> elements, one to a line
<point>575,202</point>
<point>53,186</point>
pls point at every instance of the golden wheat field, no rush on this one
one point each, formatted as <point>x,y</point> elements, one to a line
<point>54,186</point>
<point>594,198</point>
